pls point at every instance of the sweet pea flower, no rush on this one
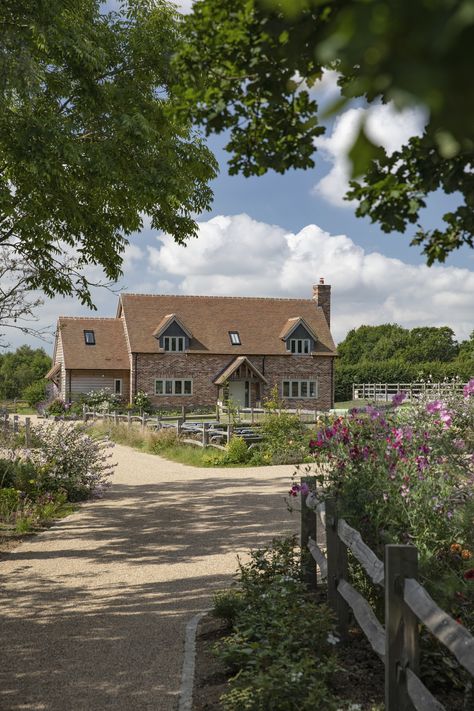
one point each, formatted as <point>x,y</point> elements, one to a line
<point>398,398</point>
<point>468,389</point>
<point>434,406</point>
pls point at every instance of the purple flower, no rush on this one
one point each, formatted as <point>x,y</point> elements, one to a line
<point>468,389</point>
<point>398,398</point>
<point>304,488</point>
<point>434,406</point>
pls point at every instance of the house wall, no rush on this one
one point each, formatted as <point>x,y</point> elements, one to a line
<point>80,382</point>
<point>203,369</point>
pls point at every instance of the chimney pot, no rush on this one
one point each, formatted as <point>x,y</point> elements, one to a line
<point>321,280</point>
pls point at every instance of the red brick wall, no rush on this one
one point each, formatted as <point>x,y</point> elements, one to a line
<point>203,369</point>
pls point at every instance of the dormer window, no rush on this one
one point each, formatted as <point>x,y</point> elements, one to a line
<point>174,343</point>
<point>89,338</point>
<point>234,338</point>
<point>299,346</point>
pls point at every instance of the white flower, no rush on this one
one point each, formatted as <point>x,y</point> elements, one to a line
<point>333,639</point>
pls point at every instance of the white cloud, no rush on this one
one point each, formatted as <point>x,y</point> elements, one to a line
<point>385,126</point>
<point>240,256</point>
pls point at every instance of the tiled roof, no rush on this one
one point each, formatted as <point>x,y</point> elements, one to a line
<point>259,322</point>
<point>109,352</point>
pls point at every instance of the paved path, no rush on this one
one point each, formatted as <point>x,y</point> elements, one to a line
<point>93,611</point>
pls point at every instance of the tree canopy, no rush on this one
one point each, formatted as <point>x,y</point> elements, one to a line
<point>248,66</point>
<point>390,353</point>
<point>90,144</point>
<point>21,368</point>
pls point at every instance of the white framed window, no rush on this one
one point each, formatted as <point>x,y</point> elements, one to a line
<point>173,343</point>
<point>89,338</point>
<point>118,386</point>
<point>235,338</point>
<point>173,386</point>
<point>300,389</point>
<point>299,346</point>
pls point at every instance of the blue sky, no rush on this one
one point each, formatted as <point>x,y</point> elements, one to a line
<point>276,235</point>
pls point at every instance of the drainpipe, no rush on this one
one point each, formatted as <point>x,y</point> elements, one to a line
<point>70,385</point>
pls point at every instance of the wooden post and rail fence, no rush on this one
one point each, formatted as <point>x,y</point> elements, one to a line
<point>407,604</point>
<point>15,425</point>
<point>385,392</point>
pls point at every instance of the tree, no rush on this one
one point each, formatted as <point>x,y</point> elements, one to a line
<point>17,302</point>
<point>90,145</point>
<point>247,66</point>
<point>20,368</point>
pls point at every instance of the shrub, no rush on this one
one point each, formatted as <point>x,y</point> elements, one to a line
<point>56,407</point>
<point>284,439</point>
<point>227,604</point>
<point>278,651</point>
<point>35,393</point>
<point>103,400</point>
<point>236,451</point>
<point>142,402</point>
<point>68,461</point>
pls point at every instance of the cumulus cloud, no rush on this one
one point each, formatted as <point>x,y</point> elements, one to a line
<point>241,256</point>
<point>237,255</point>
<point>384,125</point>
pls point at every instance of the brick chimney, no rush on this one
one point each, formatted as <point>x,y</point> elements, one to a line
<point>322,297</point>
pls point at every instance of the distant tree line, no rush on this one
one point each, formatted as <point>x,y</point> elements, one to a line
<point>391,354</point>
<point>22,370</point>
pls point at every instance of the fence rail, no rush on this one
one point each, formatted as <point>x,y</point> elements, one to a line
<point>406,604</point>
<point>200,434</point>
<point>385,392</point>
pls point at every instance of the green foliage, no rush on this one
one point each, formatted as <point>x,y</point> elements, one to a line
<point>278,651</point>
<point>227,604</point>
<point>392,354</point>
<point>237,451</point>
<point>35,393</point>
<point>142,402</point>
<point>21,368</point>
<point>56,407</point>
<point>103,400</point>
<point>90,145</point>
<point>284,439</point>
<point>246,67</point>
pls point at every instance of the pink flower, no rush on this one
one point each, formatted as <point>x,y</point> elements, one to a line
<point>468,389</point>
<point>398,398</point>
<point>434,406</point>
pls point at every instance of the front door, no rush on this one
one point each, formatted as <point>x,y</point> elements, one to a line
<point>238,393</point>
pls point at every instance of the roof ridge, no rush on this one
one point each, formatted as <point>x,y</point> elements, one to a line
<point>90,318</point>
<point>215,296</point>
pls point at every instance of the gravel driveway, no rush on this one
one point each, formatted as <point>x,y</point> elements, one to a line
<point>93,611</point>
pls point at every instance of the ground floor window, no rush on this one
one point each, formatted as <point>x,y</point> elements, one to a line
<point>118,386</point>
<point>174,386</point>
<point>300,388</point>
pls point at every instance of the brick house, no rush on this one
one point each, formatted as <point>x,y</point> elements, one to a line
<point>196,350</point>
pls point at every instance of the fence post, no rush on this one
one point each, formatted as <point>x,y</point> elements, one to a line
<point>308,530</point>
<point>229,432</point>
<point>27,432</point>
<point>401,626</point>
<point>179,422</point>
<point>144,420</point>
<point>84,412</point>
<point>183,412</point>
<point>15,424</point>
<point>129,419</point>
<point>205,435</point>
<point>115,417</point>
<point>337,568</point>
